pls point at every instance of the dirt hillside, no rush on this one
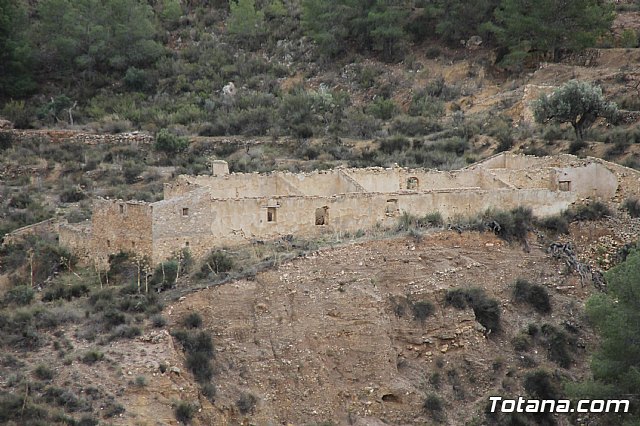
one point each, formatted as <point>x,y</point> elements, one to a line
<point>327,337</point>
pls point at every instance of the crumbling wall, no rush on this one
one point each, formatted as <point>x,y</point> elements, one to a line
<point>319,183</point>
<point>184,222</point>
<point>323,183</point>
<point>48,226</point>
<point>78,239</point>
<point>590,180</point>
<point>541,178</point>
<point>211,223</point>
<point>205,212</point>
<point>377,179</point>
<point>121,226</point>
<point>57,135</point>
<point>398,179</point>
<point>236,185</point>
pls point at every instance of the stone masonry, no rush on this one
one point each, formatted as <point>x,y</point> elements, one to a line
<point>201,213</point>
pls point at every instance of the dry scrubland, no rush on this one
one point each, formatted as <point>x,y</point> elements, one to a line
<point>416,324</point>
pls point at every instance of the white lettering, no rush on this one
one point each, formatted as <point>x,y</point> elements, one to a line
<point>494,400</point>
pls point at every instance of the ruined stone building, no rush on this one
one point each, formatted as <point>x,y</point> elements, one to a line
<point>204,212</point>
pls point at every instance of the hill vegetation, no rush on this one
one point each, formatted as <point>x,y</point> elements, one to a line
<point>134,64</point>
<point>307,85</point>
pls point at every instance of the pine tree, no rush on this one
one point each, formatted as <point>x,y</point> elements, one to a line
<point>385,29</point>
<point>616,317</point>
<point>15,52</point>
<point>94,35</point>
<point>245,22</point>
<point>548,26</point>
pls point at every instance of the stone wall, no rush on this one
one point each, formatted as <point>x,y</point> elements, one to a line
<point>589,177</point>
<point>78,239</point>
<point>121,226</point>
<point>56,136</point>
<point>49,226</point>
<point>212,223</point>
<point>204,212</point>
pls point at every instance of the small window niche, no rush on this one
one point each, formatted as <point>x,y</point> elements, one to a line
<point>271,214</point>
<point>392,207</point>
<point>322,215</point>
<point>564,185</point>
<point>413,183</point>
<point>121,206</point>
<point>185,211</point>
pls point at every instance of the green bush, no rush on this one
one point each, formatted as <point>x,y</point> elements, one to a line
<point>141,381</point>
<point>165,274</point>
<point>632,206</point>
<point>521,343</point>
<point>554,132</point>
<point>246,403</point>
<point>193,320</point>
<point>199,364</point>
<point>64,291</point>
<point>72,195</point>
<point>131,170</point>
<point>217,262</point>
<point>169,143</point>
<point>433,219</point>
<point>595,210</point>
<point>414,125</point>
<point>539,385</point>
<point>195,341</point>
<point>510,225</point>
<point>457,298</point>
<point>19,295</point>
<point>42,372</point>
<point>535,295</point>
<point>125,331</point>
<point>209,391</point>
<point>21,200</point>
<point>486,310</point>
<point>360,124</point>
<point>137,80</point>
<point>434,407</point>
<point>199,349</point>
<point>383,109</point>
<point>629,38</point>
<point>113,318</point>
<point>556,223</point>
<point>6,140</point>
<point>158,321</point>
<point>18,113</point>
<point>184,412</point>
<point>426,105</point>
<point>558,345</point>
<point>394,144</point>
<point>14,408</point>
<point>422,309</point>
<point>92,356</point>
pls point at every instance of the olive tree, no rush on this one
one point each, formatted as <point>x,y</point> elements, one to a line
<point>576,102</point>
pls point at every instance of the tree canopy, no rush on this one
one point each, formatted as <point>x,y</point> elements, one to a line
<point>15,52</point>
<point>576,102</point>
<point>90,35</point>
<point>245,21</point>
<point>548,26</point>
<point>376,25</point>
<point>616,316</point>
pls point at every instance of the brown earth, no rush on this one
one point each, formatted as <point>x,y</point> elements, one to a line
<point>320,339</point>
<point>330,336</point>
